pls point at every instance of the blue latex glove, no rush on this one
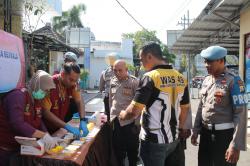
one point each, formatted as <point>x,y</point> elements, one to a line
<point>76,115</point>
<point>72,130</point>
<point>83,127</point>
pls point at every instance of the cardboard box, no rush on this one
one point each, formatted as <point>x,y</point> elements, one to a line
<point>30,146</point>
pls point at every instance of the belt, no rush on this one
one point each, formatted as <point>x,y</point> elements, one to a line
<point>221,126</point>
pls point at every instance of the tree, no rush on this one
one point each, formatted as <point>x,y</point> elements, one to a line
<point>69,19</point>
<point>170,58</point>
<point>32,14</point>
<point>194,70</point>
<point>142,37</point>
<point>183,64</point>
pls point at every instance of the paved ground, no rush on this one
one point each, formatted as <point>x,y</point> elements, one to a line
<point>94,102</point>
<point>192,151</point>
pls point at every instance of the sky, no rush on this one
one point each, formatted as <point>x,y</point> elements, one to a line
<point>108,21</point>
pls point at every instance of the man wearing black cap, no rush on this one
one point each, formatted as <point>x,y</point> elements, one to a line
<point>221,115</point>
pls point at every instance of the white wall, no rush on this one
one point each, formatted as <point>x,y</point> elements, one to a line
<point>102,49</point>
<point>55,61</point>
<point>97,65</point>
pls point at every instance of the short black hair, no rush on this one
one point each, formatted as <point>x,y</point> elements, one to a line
<point>153,48</point>
<point>71,66</point>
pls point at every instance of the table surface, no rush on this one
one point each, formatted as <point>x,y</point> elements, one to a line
<point>79,155</point>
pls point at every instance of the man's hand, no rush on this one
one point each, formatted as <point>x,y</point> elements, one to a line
<point>122,115</point>
<point>49,142</point>
<point>83,127</point>
<point>194,138</point>
<point>72,130</point>
<point>232,155</point>
<point>184,133</point>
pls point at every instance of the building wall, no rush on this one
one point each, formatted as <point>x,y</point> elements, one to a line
<point>1,22</point>
<point>124,50</point>
<point>97,65</point>
<point>96,68</point>
<point>172,36</point>
<point>244,29</point>
<point>55,61</point>
<point>16,24</point>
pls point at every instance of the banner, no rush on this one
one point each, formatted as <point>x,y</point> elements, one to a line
<point>247,63</point>
<point>12,62</point>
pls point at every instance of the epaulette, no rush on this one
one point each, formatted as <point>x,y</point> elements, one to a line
<point>114,77</point>
<point>132,76</point>
<point>230,72</point>
<point>23,89</point>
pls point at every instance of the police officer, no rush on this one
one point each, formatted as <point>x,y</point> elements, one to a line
<point>104,84</point>
<point>70,57</point>
<point>126,133</point>
<point>221,117</point>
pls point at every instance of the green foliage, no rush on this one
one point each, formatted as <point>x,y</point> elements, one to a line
<point>193,66</point>
<point>33,11</point>
<point>84,74</point>
<point>69,19</point>
<point>131,67</point>
<point>142,37</point>
<point>170,58</point>
<point>183,65</point>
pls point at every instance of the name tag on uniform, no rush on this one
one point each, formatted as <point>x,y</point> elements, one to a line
<point>127,91</point>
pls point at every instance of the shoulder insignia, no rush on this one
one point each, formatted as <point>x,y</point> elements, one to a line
<point>231,73</point>
<point>133,77</point>
<point>23,89</point>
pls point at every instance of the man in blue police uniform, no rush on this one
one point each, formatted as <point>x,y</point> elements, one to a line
<point>221,117</point>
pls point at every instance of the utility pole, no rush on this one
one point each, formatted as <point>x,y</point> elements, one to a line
<point>185,21</point>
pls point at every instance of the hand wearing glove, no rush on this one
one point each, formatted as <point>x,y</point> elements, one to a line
<point>49,142</point>
<point>72,130</point>
<point>83,127</point>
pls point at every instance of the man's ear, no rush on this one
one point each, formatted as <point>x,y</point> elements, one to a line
<point>149,56</point>
<point>63,74</point>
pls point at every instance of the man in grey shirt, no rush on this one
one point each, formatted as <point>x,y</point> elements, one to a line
<point>125,133</point>
<point>221,115</point>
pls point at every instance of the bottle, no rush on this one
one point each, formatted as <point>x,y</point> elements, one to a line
<point>97,118</point>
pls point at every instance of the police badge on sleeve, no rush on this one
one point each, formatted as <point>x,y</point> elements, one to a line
<point>239,96</point>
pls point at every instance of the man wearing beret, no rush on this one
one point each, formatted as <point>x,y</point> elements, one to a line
<point>221,116</point>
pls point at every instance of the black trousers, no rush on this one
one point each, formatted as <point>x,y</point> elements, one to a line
<point>177,157</point>
<point>126,143</point>
<point>72,109</point>
<point>106,106</point>
<point>213,146</point>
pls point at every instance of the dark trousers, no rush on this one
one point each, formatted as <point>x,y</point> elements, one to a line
<point>126,143</point>
<point>213,146</point>
<point>106,106</point>
<point>72,109</point>
<point>177,157</point>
